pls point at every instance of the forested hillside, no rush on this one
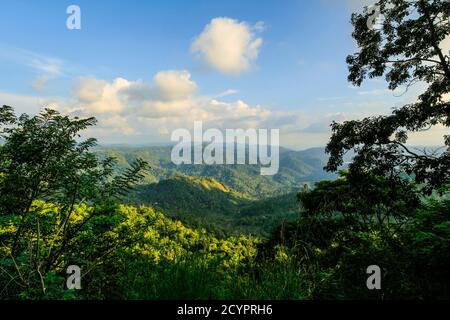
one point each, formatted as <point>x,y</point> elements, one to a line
<point>136,226</point>
<point>61,206</point>
<point>224,199</point>
<point>296,169</point>
<point>205,202</point>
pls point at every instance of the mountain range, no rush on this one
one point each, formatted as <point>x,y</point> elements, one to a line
<point>225,199</point>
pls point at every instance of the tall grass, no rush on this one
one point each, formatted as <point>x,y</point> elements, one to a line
<point>195,279</point>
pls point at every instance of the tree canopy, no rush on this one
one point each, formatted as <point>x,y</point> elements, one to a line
<point>44,159</point>
<point>406,50</point>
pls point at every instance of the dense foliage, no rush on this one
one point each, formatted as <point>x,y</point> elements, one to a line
<point>206,203</point>
<point>135,252</point>
<point>61,204</point>
<point>60,207</point>
<point>406,50</point>
<point>42,161</point>
<point>296,168</point>
<point>344,230</point>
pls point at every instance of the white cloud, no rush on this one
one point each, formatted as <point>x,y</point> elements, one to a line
<point>322,99</point>
<point>169,102</point>
<point>44,67</point>
<point>174,85</point>
<point>39,82</point>
<point>432,137</point>
<point>228,45</point>
<point>374,92</point>
<point>118,124</point>
<point>99,96</point>
<point>145,118</point>
<point>47,65</point>
<point>359,4</point>
<point>163,109</point>
<point>228,92</point>
<point>136,111</point>
<point>20,103</point>
<point>260,26</point>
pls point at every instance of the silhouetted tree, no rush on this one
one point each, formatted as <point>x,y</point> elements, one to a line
<point>405,49</point>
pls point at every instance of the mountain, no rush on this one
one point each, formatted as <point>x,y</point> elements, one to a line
<point>225,199</point>
<point>205,202</point>
<point>186,194</point>
<point>296,169</point>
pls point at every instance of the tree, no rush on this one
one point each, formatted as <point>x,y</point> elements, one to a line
<point>382,205</point>
<point>46,174</point>
<point>406,49</point>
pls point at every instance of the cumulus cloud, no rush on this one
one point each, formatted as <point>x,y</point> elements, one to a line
<point>118,124</point>
<point>174,85</point>
<point>143,116</point>
<point>150,111</point>
<point>162,109</point>
<point>169,92</point>
<point>228,45</point>
<point>100,97</point>
<point>170,101</point>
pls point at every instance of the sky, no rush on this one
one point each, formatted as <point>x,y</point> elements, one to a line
<point>146,68</point>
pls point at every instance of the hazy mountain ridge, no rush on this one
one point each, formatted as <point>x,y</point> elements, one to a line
<point>296,169</point>
<point>205,202</point>
<point>226,199</point>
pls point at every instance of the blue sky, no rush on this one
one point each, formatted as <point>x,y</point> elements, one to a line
<point>144,68</point>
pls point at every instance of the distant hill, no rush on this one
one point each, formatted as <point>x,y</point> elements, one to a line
<point>185,194</point>
<point>205,202</point>
<point>296,169</point>
<point>226,199</point>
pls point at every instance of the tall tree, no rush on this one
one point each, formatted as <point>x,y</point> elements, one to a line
<point>44,160</point>
<point>405,49</point>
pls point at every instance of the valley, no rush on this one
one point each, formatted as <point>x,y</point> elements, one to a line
<point>223,199</point>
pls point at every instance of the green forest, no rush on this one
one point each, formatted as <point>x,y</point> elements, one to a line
<point>140,227</point>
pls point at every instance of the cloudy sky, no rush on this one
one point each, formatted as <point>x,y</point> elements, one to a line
<point>145,68</point>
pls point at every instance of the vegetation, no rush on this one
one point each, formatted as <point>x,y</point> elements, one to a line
<point>206,203</point>
<point>43,169</point>
<point>63,204</point>
<point>405,50</point>
<point>296,169</point>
